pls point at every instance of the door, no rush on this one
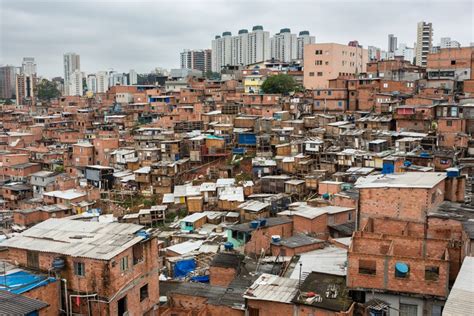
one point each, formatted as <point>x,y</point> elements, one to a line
<point>122,306</point>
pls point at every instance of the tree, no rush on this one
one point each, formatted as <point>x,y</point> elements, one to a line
<point>211,75</point>
<point>281,83</point>
<point>47,90</point>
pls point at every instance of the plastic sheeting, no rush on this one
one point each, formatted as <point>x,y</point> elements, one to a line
<point>183,267</point>
<point>200,278</point>
<point>22,281</point>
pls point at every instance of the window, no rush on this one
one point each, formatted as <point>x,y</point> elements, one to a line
<point>137,250</point>
<point>318,92</point>
<point>385,85</point>
<point>124,264</point>
<point>318,62</point>
<point>318,52</point>
<point>253,311</point>
<point>326,63</point>
<point>453,62</point>
<point>349,216</point>
<point>449,123</point>
<point>329,92</point>
<point>408,310</point>
<point>339,103</point>
<point>143,292</point>
<point>367,267</point>
<point>311,74</point>
<point>79,268</point>
<point>320,74</point>
<point>431,273</point>
<point>317,103</point>
<point>32,260</point>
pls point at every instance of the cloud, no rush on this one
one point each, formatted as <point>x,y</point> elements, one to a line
<point>142,35</point>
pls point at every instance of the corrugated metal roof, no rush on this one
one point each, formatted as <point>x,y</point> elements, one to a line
<point>461,297</point>
<point>15,304</point>
<point>269,287</point>
<point>95,240</point>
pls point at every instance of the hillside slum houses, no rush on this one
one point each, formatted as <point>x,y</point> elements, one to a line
<point>355,199</point>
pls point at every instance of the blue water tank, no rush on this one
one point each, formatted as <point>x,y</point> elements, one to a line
<point>228,246</point>
<point>263,222</point>
<point>254,224</point>
<point>58,263</point>
<point>425,155</point>
<point>407,163</point>
<point>452,172</point>
<point>276,239</point>
<point>142,233</point>
<point>326,196</point>
<point>401,269</point>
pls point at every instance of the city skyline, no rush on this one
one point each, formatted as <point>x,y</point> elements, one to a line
<point>147,42</point>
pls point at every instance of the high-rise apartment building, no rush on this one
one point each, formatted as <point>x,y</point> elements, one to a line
<point>446,42</point>
<point>7,82</point>
<point>392,43</point>
<point>283,45</point>
<point>303,39</point>
<point>117,78</point>
<point>28,66</point>
<point>132,77</point>
<point>72,63</point>
<point>323,62</point>
<point>75,86</point>
<point>375,53</point>
<point>92,83</point>
<point>424,42</point>
<point>243,49</point>
<point>197,59</point>
<point>408,53</point>
<point>25,89</point>
<point>102,81</point>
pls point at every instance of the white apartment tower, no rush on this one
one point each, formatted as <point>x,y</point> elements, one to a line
<point>303,39</point>
<point>446,42</point>
<point>243,49</point>
<point>28,66</point>
<point>92,83</point>
<point>424,43</point>
<point>72,63</point>
<point>102,81</point>
<point>283,46</point>
<point>132,77</point>
<point>75,83</point>
<point>198,59</point>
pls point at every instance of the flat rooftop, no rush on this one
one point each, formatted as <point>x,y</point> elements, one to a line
<point>424,180</point>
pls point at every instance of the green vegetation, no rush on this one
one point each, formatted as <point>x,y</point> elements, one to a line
<point>211,75</point>
<point>281,83</point>
<point>47,90</point>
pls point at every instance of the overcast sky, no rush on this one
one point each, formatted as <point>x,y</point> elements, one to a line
<point>142,35</point>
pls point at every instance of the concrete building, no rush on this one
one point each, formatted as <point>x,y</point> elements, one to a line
<point>326,61</point>
<point>7,82</point>
<point>102,81</point>
<point>451,63</point>
<point>132,77</point>
<point>303,39</point>
<point>197,59</point>
<point>405,51</point>
<point>72,62</point>
<point>116,78</point>
<point>392,43</point>
<point>92,83</point>
<point>243,49</point>
<point>283,45</point>
<point>374,53</point>
<point>28,66</point>
<point>446,42</point>
<point>26,89</point>
<point>75,86</point>
<point>424,42</point>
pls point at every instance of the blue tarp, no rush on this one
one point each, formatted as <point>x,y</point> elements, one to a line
<point>183,267</point>
<point>22,281</point>
<point>200,278</point>
<point>247,139</point>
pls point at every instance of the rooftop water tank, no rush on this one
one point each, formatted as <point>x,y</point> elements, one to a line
<point>254,224</point>
<point>326,196</point>
<point>276,238</point>
<point>452,172</point>
<point>58,263</point>
<point>401,269</point>
<point>228,246</point>
<point>407,163</point>
<point>425,155</point>
<point>263,222</point>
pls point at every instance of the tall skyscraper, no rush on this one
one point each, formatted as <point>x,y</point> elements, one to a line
<point>198,59</point>
<point>7,82</point>
<point>392,43</point>
<point>303,39</point>
<point>75,83</point>
<point>132,77</point>
<point>283,46</point>
<point>243,49</point>
<point>28,66</point>
<point>72,63</point>
<point>102,81</point>
<point>25,89</point>
<point>375,53</point>
<point>424,43</point>
<point>117,78</point>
